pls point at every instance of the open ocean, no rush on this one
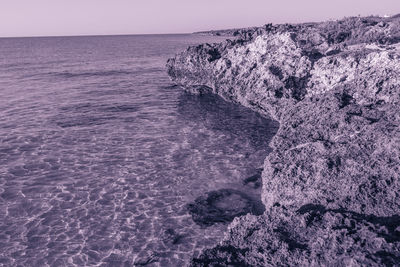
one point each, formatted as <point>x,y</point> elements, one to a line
<point>100,153</point>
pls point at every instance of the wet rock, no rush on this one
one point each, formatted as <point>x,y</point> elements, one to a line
<point>254,180</point>
<point>222,206</point>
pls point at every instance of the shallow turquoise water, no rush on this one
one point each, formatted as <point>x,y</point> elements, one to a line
<point>100,153</point>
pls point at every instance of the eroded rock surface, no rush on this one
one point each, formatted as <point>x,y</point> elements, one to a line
<point>334,87</point>
<point>311,236</point>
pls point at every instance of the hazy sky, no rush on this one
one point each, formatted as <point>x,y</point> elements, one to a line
<point>92,17</point>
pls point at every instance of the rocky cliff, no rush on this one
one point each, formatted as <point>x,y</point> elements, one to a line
<point>331,186</point>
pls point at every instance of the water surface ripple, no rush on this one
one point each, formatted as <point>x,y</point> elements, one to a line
<point>100,153</point>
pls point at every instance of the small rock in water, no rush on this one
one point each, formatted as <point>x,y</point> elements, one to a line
<point>222,206</point>
<point>145,260</point>
<point>170,236</point>
<point>254,180</point>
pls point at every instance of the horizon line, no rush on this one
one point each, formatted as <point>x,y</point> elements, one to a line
<point>183,33</point>
<point>95,35</point>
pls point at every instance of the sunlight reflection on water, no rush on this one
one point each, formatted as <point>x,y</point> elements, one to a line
<point>100,154</point>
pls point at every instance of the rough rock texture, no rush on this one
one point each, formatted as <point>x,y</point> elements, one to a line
<point>334,87</point>
<point>312,236</point>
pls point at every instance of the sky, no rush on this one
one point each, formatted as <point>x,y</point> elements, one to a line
<point>106,17</point>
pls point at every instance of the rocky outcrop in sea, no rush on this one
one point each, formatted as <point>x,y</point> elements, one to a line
<point>331,185</point>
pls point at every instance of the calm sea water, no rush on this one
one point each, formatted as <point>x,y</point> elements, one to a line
<point>100,153</point>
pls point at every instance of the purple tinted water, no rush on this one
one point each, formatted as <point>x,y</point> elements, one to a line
<point>100,153</point>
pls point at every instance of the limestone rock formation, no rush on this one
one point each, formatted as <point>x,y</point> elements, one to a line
<point>311,236</point>
<point>334,87</point>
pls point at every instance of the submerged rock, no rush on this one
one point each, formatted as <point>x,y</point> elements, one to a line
<point>334,88</point>
<point>222,206</point>
<point>254,180</point>
<point>171,237</point>
<point>146,259</point>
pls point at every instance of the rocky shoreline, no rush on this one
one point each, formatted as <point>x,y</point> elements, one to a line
<point>331,185</point>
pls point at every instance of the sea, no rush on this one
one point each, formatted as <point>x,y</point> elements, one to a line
<point>100,153</point>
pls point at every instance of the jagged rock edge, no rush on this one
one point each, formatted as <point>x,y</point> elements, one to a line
<point>192,81</point>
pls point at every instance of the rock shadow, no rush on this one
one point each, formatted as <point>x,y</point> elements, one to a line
<point>219,115</point>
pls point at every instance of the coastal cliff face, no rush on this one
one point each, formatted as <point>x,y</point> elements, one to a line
<point>331,186</point>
